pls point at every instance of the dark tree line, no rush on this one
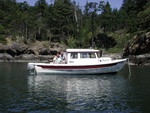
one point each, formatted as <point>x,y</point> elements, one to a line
<point>68,22</point>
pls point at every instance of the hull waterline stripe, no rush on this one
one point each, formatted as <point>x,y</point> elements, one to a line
<point>76,67</point>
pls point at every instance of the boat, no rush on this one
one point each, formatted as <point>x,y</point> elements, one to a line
<point>81,62</point>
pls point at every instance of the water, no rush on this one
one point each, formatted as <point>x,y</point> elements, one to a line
<point>117,93</point>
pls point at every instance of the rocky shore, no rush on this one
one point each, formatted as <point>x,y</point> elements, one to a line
<point>26,58</point>
<point>35,52</point>
<point>138,49</point>
<point>140,59</point>
<point>134,59</point>
<point>143,59</point>
<point>18,51</point>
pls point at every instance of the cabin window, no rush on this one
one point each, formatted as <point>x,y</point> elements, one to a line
<point>87,55</point>
<point>74,55</point>
<point>83,55</point>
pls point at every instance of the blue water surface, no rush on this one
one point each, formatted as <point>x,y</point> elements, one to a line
<point>109,93</point>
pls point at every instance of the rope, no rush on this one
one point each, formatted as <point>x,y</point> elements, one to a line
<point>129,67</point>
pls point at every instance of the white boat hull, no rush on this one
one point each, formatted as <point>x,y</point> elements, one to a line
<point>101,68</point>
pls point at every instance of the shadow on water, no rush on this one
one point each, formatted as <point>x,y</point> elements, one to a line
<point>112,93</point>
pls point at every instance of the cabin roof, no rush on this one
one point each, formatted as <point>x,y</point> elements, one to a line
<point>82,50</point>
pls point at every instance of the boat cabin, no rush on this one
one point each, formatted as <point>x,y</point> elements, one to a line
<point>82,56</point>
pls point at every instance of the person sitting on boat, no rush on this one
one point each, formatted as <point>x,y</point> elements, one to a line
<point>57,59</point>
<point>63,56</point>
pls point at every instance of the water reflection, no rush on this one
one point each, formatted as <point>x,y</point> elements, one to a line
<point>121,93</point>
<point>82,93</point>
<point>94,93</point>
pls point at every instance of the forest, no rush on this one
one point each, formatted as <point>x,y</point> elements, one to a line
<point>66,22</point>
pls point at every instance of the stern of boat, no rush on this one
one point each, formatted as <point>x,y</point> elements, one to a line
<point>31,68</point>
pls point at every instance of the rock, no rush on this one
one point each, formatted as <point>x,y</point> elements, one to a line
<point>139,44</point>
<point>13,49</point>
<point>140,59</point>
<point>2,49</point>
<point>53,52</point>
<point>38,51</point>
<point>29,51</point>
<point>113,56</point>
<point>33,58</point>
<point>43,51</point>
<point>6,57</point>
<point>8,49</point>
<point>43,58</point>
<point>20,48</point>
<point>24,57</point>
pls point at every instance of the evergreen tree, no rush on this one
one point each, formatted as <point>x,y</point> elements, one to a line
<point>132,8</point>
<point>90,20</point>
<point>23,19</point>
<point>106,17</point>
<point>62,19</point>
<point>40,18</point>
<point>144,18</point>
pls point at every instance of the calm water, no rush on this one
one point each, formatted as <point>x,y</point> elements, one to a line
<point>120,93</point>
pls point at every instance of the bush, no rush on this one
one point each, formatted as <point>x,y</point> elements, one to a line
<point>3,40</point>
<point>71,42</point>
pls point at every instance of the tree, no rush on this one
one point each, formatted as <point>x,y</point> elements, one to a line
<point>90,13</point>
<point>62,19</point>
<point>8,15</point>
<point>23,18</point>
<point>104,41</point>
<point>41,12</point>
<point>132,8</point>
<point>105,17</point>
<point>144,18</point>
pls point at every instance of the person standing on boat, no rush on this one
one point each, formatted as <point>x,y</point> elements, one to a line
<point>57,59</point>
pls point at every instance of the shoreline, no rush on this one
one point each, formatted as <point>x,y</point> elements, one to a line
<point>133,60</point>
<point>26,58</point>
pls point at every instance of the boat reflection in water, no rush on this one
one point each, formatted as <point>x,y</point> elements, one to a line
<point>84,93</point>
<point>75,92</point>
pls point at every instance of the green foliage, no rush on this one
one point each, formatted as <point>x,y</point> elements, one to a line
<point>144,18</point>
<point>1,29</point>
<point>71,42</point>
<point>104,41</point>
<point>2,40</point>
<point>83,38</point>
<point>65,21</point>
<point>132,8</point>
<point>122,38</point>
<point>114,50</point>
